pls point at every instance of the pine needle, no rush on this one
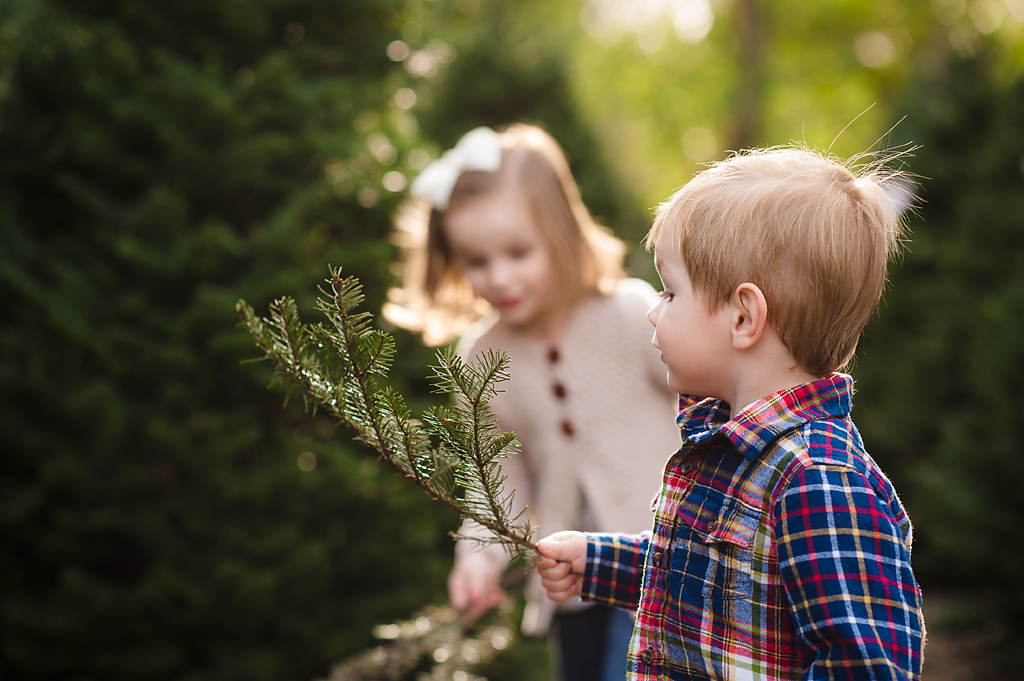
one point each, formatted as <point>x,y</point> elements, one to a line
<point>335,365</point>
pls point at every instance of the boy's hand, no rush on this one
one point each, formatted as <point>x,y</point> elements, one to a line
<point>564,557</point>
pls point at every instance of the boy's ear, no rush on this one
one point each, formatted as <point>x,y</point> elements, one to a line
<point>749,316</point>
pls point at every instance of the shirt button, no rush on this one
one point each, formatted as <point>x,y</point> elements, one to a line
<point>687,467</point>
<point>712,525</point>
<point>658,558</point>
<point>647,656</point>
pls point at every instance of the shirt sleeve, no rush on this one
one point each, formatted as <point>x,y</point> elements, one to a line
<point>615,568</point>
<point>846,570</point>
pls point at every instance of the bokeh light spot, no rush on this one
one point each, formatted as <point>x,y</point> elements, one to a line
<point>386,631</point>
<point>1015,8</point>
<point>418,159</point>
<point>986,15</point>
<point>394,181</point>
<point>367,197</point>
<point>875,50</point>
<point>294,32</point>
<point>691,19</point>
<point>306,461</point>
<point>398,50</point>
<point>421,64</point>
<point>382,149</point>
<point>405,99</point>
<point>949,11</point>
<point>412,31</point>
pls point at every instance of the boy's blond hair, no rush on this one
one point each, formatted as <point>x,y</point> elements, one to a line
<point>437,301</point>
<point>813,233</point>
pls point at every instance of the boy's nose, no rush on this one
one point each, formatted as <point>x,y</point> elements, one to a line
<point>652,314</point>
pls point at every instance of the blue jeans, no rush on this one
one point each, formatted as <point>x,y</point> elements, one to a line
<point>592,643</point>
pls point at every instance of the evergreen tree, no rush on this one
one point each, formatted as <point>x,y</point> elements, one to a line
<point>939,369</point>
<point>336,366</point>
<point>514,64</point>
<point>161,517</point>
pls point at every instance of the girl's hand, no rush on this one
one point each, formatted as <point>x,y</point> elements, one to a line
<point>563,559</point>
<point>473,585</point>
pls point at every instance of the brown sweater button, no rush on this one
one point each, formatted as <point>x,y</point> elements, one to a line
<point>559,390</point>
<point>553,355</point>
<point>568,428</point>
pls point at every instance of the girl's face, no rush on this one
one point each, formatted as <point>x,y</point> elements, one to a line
<point>497,245</point>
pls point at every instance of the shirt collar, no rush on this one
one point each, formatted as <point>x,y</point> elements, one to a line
<point>758,424</point>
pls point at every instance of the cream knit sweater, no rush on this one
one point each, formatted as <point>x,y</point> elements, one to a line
<point>595,418</point>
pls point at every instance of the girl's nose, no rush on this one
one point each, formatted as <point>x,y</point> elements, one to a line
<point>501,274</point>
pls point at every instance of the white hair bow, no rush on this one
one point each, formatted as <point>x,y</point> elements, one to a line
<point>479,149</point>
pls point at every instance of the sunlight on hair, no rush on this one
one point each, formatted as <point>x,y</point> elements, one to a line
<point>737,221</point>
<point>901,195</point>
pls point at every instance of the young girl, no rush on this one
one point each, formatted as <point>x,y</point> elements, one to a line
<point>499,248</point>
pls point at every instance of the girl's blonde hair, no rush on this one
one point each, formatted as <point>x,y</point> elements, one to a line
<point>813,233</point>
<point>436,301</point>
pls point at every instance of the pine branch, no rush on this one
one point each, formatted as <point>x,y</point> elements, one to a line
<point>335,366</point>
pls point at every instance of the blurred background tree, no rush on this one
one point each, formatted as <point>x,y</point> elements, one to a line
<point>939,366</point>
<point>162,516</point>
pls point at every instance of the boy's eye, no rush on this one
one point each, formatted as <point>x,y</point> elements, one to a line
<point>666,295</point>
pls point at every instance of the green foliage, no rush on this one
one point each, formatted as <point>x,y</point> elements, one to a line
<point>515,64</point>
<point>159,161</point>
<point>938,372</point>
<point>335,367</point>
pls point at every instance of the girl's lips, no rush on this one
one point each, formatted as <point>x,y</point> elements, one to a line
<point>509,304</point>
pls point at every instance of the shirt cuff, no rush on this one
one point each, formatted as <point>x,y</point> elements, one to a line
<point>614,568</point>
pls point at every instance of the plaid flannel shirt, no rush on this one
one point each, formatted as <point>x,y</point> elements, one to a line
<point>779,551</point>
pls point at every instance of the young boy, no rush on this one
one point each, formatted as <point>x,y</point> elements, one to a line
<point>779,549</point>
